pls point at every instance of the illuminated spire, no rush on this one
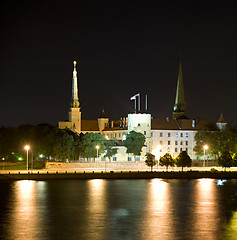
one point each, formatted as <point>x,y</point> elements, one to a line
<point>179,106</point>
<point>74,101</point>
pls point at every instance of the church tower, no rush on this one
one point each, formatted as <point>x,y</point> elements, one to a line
<point>74,123</point>
<point>179,106</point>
<point>75,112</point>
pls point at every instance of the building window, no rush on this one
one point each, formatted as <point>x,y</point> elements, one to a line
<point>187,150</point>
<point>176,134</point>
<point>176,142</point>
<point>115,135</point>
<point>139,124</point>
<point>119,135</point>
<point>161,134</point>
<point>168,142</point>
<point>186,142</point>
<point>181,134</point>
<point>114,159</point>
<point>144,133</point>
<point>176,149</point>
<point>169,134</point>
<point>186,134</point>
<point>160,142</point>
<point>129,158</point>
<point>88,159</point>
<point>181,142</point>
<point>151,134</point>
<point>181,149</point>
<point>137,158</point>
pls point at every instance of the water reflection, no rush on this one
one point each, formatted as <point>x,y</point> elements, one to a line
<point>97,225</point>
<point>157,221</point>
<point>206,212</point>
<point>23,222</point>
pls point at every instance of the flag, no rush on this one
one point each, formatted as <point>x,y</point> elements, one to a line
<point>134,97</point>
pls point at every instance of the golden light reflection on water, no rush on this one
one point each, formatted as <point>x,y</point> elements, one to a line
<point>158,217</point>
<point>23,223</point>
<point>96,206</point>
<point>206,222</point>
<point>231,230</point>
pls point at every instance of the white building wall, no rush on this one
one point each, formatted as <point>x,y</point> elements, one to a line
<point>173,142</point>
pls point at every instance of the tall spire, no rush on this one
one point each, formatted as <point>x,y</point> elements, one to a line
<point>179,106</point>
<point>74,101</point>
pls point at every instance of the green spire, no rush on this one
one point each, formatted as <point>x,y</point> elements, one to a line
<point>179,106</point>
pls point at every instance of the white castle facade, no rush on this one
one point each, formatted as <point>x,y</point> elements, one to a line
<point>170,135</point>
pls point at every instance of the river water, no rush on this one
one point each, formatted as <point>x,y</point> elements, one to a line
<point>118,209</point>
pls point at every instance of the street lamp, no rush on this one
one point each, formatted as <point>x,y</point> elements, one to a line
<point>205,147</point>
<point>97,150</point>
<point>3,163</point>
<point>159,149</point>
<point>27,147</point>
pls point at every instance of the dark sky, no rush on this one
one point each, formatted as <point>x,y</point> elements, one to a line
<point>122,48</point>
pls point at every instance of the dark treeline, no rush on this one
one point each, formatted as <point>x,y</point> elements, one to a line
<point>45,142</point>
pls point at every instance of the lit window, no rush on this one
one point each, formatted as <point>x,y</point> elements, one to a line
<point>181,142</point>
<point>186,134</point>
<point>169,134</point>
<point>176,134</point>
<point>160,142</point>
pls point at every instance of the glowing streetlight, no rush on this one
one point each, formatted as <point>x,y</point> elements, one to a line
<point>3,163</point>
<point>205,147</point>
<point>97,151</point>
<point>27,147</point>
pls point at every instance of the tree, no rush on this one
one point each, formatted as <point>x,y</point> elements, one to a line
<point>88,143</point>
<point>225,160</point>
<point>183,160</point>
<point>134,143</point>
<point>110,148</point>
<point>234,157</point>
<point>167,161</point>
<point>218,141</point>
<point>150,160</point>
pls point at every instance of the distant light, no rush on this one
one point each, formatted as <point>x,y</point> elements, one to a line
<point>41,155</point>
<point>20,158</point>
<point>97,147</point>
<point>220,182</point>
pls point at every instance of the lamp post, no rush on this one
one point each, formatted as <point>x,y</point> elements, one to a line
<point>159,148</point>
<point>3,163</point>
<point>205,147</point>
<point>97,151</point>
<point>27,147</point>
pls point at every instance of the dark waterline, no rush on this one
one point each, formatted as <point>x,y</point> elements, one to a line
<point>119,209</point>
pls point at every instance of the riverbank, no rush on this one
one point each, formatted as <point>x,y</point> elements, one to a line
<point>50,175</point>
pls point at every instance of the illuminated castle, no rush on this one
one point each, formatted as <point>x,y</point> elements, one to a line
<point>162,135</point>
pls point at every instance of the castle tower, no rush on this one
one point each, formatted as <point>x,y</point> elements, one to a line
<point>179,106</point>
<point>221,123</point>
<point>103,120</point>
<point>141,122</point>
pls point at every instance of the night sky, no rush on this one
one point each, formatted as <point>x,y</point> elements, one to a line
<point>123,48</point>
